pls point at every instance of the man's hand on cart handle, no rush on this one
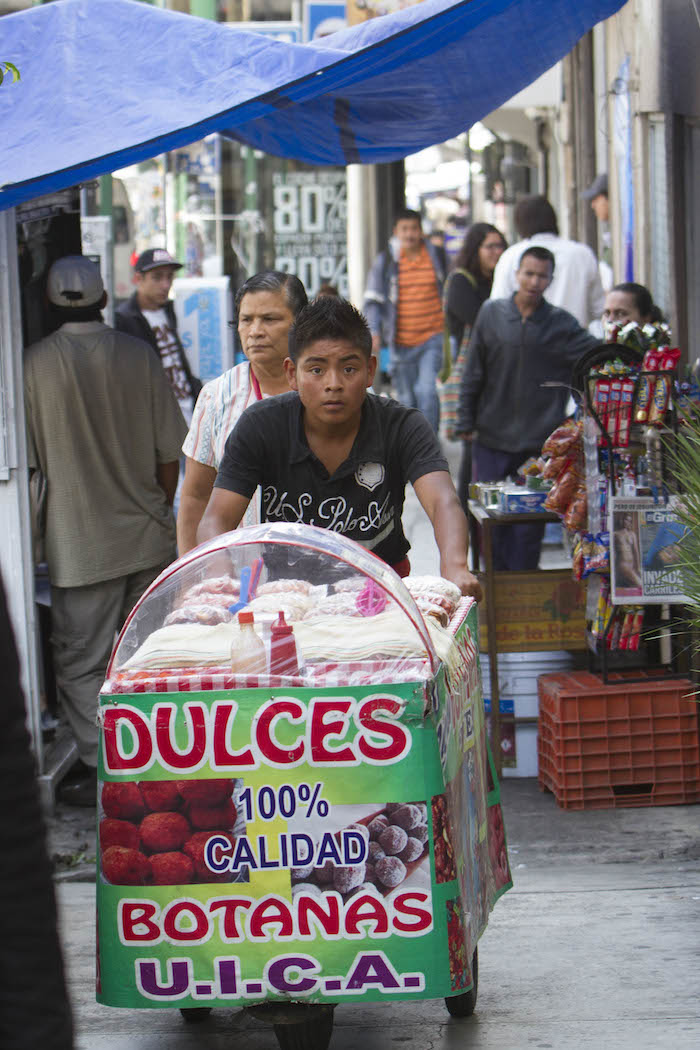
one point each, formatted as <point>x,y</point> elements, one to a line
<point>440,502</point>
<point>467,583</point>
<point>460,575</point>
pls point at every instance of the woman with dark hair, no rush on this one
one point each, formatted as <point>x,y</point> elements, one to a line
<point>265,306</point>
<point>469,284</point>
<point>630,302</point>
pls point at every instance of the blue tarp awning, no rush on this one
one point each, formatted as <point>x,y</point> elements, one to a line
<point>111,83</point>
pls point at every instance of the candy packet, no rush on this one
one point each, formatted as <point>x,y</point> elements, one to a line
<point>597,557</point>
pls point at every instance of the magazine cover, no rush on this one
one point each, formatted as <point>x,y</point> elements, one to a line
<point>645,552</point>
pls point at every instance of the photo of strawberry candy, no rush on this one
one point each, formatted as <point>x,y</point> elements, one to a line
<point>161,828</point>
<point>205,792</point>
<point>125,867</point>
<point>113,832</point>
<point>171,869</point>
<point>210,817</point>
<point>194,848</point>
<point>162,832</point>
<point>123,801</point>
<point>160,795</point>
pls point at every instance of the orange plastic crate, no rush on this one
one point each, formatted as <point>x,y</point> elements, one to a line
<point>620,744</point>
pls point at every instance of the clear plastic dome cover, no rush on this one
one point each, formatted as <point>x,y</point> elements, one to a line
<point>346,608</point>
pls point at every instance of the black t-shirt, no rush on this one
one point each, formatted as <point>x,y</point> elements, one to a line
<point>464,299</point>
<point>363,499</point>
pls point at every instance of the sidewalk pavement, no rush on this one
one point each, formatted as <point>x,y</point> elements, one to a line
<point>595,948</point>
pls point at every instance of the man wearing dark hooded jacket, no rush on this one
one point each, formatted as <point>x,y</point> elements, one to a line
<point>517,346</point>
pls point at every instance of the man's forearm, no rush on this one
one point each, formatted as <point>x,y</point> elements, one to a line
<point>211,525</point>
<point>452,538</point>
<point>440,502</point>
<point>224,513</point>
<point>451,534</point>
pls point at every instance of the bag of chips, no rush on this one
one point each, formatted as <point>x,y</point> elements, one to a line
<point>563,439</point>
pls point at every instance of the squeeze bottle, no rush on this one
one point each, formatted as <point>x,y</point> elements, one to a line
<point>283,649</point>
<point>247,650</point>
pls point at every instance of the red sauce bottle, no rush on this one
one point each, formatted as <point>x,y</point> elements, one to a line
<point>283,649</point>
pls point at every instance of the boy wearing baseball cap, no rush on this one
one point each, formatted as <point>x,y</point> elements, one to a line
<point>150,315</point>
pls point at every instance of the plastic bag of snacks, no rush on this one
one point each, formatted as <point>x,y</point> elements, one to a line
<point>563,439</point>
<point>577,511</point>
<point>564,489</point>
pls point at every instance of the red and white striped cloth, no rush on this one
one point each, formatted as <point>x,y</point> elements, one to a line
<point>317,676</point>
<point>367,672</point>
<point>195,680</point>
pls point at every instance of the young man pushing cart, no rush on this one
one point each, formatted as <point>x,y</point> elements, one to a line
<point>333,455</point>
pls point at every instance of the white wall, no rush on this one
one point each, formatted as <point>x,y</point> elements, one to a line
<point>16,561</point>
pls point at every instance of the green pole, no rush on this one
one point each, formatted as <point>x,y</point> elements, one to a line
<point>180,202</point>
<point>203,9</point>
<point>106,195</point>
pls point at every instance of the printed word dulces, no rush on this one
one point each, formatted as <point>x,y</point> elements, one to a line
<point>285,732</point>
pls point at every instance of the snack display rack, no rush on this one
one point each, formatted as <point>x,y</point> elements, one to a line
<point>630,738</point>
<point>285,842</point>
<point>631,493</point>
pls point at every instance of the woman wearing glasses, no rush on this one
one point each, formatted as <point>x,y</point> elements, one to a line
<point>266,306</point>
<point>468,286</point>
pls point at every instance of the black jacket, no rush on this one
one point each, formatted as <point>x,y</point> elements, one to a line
<point>128,318</point>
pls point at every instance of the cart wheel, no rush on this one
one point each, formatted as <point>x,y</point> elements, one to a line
<point>195,1014</point>
<point>314,1033</point>
<point>463,1005</point>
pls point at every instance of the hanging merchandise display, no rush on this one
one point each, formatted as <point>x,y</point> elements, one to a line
<point>627,736</point>
<point>614,488</point>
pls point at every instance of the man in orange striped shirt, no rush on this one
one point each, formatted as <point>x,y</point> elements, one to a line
<point>403,306</point>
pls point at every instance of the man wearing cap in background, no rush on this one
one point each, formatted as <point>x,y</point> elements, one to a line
<point>149,314</point>
<point>105,430</point>
<point>597,194</point>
